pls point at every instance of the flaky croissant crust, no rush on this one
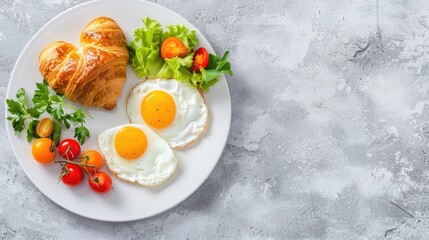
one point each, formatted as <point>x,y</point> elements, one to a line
<point>92,74</point>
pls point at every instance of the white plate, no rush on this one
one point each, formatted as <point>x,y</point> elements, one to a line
<point>126,201</point>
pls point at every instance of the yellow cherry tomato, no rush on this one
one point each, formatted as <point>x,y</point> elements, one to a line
<point>43,150</point>
<point>45,127</point>
<point>91,157</point>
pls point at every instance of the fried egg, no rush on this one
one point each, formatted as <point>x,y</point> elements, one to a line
<point>135,153</point>
<point>174,110</point>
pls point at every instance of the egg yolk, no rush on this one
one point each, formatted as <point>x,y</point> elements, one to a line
<point>130,142</point>
<point>158,109</point>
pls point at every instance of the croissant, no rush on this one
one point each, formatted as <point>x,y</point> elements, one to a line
<point>93,74</point>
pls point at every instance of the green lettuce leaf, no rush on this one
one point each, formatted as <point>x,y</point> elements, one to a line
<point>177,68</point>
<point>145,58</point>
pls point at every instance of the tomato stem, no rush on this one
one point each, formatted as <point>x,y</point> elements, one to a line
<point>86,157</point>
<point>95,180</point>
<point>52,147</point>
<point>75,163</point>
<point>89,173</point>
<point>64,172</point>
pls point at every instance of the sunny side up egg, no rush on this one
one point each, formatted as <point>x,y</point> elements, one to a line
<point>173,109</point>
<point>135,153</point>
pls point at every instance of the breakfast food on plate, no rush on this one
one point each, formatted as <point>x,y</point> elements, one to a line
<point>47,132</point>
<point>43,102</point>
<point>167,110</point>
<point>42,150</point>
<point>159,53</point>
<point>69,149</point>
<point>172,104</point>
<point>72,174</point>
<point>174,110</point>
<point>92,74</point>
<point>135,153</point>
<point>100,182</point>
<point>92,157</point>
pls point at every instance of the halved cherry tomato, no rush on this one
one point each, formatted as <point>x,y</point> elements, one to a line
<point>91,157</point>
<point>69,149</point>
<point>201,59</point>
<point>173,47</point>
<point>45,127</point>
<point>43,150</point>
<point>72,175</point>
<point>100,182</point>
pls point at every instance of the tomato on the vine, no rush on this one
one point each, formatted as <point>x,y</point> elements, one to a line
<point>43,150</point>
<point>71,174</point>
<point>91,157</point>
<point>69,149</point>
<point>100,182</point>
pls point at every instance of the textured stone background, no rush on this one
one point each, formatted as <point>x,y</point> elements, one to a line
<point>329,136</point>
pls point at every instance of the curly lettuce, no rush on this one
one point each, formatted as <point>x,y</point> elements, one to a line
<point>177,68</point>
<point>145,57</point>
<point>146,60</point>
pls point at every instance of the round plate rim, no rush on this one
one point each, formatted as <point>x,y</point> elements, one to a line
<point>8,94</point>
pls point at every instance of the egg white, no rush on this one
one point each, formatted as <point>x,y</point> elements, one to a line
<point>152,168</point>
<point>191,111</point>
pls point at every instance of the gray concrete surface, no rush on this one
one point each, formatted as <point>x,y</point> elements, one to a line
<point>329,136</point>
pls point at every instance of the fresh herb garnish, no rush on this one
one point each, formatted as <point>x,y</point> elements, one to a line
<point>20,113</point>
<point>215,68</point>
<point>43,101</point>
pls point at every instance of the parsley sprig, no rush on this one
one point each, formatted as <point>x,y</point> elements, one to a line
<point>20,113</point>
<point>215,68</point>
<point>44,101</point>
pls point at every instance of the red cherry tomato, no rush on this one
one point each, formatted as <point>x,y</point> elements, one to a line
<point>72,174</point>
<point>100,182</point>
<point>173,47</point>
<point>201,59</point>
<point>69,149</point>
